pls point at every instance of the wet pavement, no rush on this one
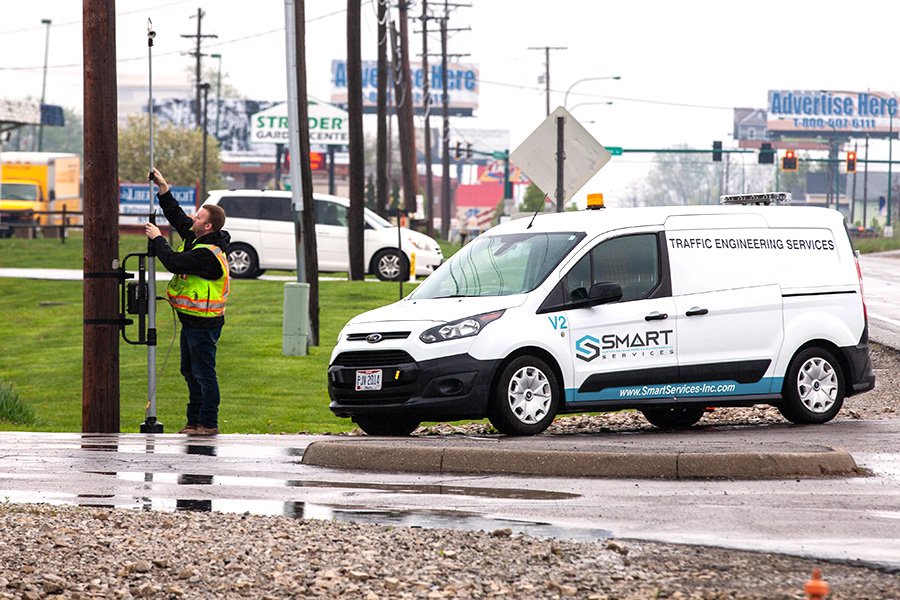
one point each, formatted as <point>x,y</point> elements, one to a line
<point>854,518</point>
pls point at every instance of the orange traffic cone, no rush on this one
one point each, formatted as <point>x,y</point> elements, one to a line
<point>816,588</point>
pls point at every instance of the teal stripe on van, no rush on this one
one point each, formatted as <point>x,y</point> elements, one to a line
<point>694,389</point>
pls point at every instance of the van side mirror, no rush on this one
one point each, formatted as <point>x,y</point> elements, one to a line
<point>604,293</point>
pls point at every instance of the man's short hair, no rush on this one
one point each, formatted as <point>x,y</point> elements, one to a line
<point>216,216</point>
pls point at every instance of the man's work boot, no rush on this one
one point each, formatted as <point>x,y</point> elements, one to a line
<point>188,429</point>
<point>201,430</point>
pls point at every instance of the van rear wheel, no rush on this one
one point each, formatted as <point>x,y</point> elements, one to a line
<point>813,390</point>
<point>388,426</point>
<point>526,397</point>
<point>679,417</point>
<point>243,262</point>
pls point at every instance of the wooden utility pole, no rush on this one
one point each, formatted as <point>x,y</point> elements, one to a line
<point>381,174</point>
<point>100,362</point>
<point>446,201</point>
<point>198,55</point>
<point>357,179</point>
<point>547,50</point>
<point>309,205</point>
<point>426,109</point>
<point>405,108</point>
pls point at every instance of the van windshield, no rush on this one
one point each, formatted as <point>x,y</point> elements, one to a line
<point>499,265</point>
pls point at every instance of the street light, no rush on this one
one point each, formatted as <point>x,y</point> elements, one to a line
<point>218,91</point>
<point>44,85</point>
<point>566,97</point>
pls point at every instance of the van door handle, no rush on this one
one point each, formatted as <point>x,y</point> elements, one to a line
<point>656,316</point>
<point>696,311</point>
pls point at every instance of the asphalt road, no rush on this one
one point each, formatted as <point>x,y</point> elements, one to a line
<point>847,518</point>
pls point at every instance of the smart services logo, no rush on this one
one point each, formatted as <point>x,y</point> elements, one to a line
<point>641,344</point>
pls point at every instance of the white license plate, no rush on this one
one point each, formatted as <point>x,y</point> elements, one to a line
<point>368,379</point>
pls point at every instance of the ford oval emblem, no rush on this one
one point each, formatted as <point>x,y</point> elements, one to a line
<point>374,338</point>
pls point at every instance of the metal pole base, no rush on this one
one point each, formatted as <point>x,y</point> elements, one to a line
<point>151,425</point>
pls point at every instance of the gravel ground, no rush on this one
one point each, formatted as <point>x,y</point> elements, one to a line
<point>70,552</point>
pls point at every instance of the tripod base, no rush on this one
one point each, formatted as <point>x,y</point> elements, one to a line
<point>151,425</point>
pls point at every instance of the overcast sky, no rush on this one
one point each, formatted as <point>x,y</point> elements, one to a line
<point>684,65</point>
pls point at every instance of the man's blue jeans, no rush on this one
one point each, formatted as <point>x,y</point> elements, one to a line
<point>198,365</point>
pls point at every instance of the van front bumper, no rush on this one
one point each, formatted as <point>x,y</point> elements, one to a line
<point>441,389</point>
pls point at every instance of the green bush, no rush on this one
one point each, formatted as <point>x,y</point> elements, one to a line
<point>12,408</point>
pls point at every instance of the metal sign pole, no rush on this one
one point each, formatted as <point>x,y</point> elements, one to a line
<point>150,424</point>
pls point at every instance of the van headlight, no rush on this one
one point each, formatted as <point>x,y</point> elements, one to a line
<point>460,328</point>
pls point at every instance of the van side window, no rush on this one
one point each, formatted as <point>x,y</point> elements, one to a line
<point>632,261</point>
<point>240,207</point>
<point>330,213</point>
<point>275,209</point>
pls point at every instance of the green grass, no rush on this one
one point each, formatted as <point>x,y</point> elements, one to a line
<point>12,409</point>
<point>878,244</point>
<point>262,390</point>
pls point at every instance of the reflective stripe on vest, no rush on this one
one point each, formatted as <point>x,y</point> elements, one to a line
<point>194,295</point>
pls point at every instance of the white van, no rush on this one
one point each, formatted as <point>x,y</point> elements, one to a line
<point>262,237</point>
<point>667,310</point>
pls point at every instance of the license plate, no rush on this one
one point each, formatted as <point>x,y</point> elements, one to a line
<point>368,379</point>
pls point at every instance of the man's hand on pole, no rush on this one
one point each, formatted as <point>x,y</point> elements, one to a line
<point>152,231</point>
<point>156,177</point>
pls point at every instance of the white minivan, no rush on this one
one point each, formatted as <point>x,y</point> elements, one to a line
<point>668,310</point>
<point>262,237</point>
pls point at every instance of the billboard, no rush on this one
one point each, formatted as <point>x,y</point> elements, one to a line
<point>326,125</point>
<point>462,86</point>
<point>820,112</point>
<point>134,203</point>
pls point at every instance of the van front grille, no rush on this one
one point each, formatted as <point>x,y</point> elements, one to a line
<point>372,358</point>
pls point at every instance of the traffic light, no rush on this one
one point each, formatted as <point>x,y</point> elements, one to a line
<point>468,151</point>
<point>851,162</point>
<point>457,152</point>
<point>789,162</point>
<point>766,154</point>
<point>717,151</point>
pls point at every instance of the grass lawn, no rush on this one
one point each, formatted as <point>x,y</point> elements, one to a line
<point>262,390</point>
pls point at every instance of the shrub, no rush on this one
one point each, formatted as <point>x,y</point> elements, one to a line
<point>12,408</point>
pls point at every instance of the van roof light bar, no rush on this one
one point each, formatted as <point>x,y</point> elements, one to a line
<point>765,198</point>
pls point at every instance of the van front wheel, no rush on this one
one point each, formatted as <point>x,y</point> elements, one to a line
<point>526,398</point>
<point>813,390</point>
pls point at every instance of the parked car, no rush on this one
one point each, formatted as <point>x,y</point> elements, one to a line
<point>262,237</point>
<point>668,310</point>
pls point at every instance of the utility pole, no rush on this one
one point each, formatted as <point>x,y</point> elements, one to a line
<point>197,54</point>
<point>547,50</point>
<point>426,109</point>
<point>357,176</point>
<point>204,88</point>
<point>381,175</point>
<point>445,134</point>
<point>100,363</point>
<point>46,22</point>
<point>405,110</point>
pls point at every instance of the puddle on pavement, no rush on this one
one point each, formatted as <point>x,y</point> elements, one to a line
<point>428,519</point>
<point>394,488</point>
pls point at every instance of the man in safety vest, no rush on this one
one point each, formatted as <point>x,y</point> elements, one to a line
<point>198,292</point>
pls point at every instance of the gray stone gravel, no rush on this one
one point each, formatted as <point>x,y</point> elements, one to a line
<point>72,552</point>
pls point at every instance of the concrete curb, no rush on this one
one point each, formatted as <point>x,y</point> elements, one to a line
<point>383,456</point>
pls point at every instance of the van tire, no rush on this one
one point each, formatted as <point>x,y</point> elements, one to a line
<point>243,262</point>
<point>526,397</point>
<point>387,425</point>
<point>390,265</point>
<point>813,391</point>
<point>677,417</point>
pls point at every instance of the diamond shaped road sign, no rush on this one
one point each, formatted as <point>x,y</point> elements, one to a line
<point>584,155</point>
